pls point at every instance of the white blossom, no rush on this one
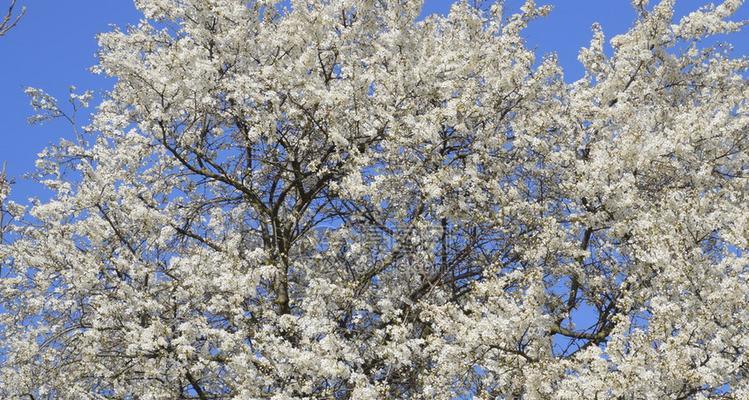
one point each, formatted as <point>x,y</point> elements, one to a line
<point>335,199</point>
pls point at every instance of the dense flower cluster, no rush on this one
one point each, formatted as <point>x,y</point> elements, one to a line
<point>339,200</point>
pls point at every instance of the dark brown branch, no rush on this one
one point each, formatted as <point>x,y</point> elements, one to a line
<point>195,385</point>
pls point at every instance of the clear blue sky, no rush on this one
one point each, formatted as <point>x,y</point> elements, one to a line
<point>54,46</point>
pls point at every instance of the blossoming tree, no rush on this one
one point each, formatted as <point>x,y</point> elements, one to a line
<point>339,200</point>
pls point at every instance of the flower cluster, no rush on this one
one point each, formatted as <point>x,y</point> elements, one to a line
<point>336,199</point>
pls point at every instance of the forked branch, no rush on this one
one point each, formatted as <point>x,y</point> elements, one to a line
<point>10,19</point>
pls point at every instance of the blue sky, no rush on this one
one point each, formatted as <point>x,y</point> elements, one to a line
<point>54,46</point>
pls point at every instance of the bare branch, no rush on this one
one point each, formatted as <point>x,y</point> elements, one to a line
<point>10,20</point>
